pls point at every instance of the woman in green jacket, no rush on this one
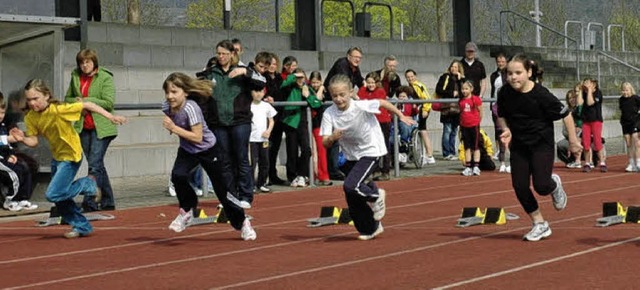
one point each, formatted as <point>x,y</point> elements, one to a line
<point>92,83</point>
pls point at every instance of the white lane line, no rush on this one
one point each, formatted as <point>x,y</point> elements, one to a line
<point>537,264</point>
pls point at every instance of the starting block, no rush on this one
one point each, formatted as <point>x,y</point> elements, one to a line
<point>614,213</point>
<point>55,218</point>
<point>472,216</point>
<point>331,215</point>
<point>201,218</point>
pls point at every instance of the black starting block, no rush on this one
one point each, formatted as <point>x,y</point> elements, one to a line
<point>201,218</point>
<point>331,215</point>
<point>472,216</point>
<point>55,218</point>
<point>614,213</point>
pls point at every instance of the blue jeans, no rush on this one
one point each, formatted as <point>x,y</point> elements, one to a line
<point>62,189</point>
<point>196,179</point>
<point>449,135</point>
<point>234,142</point>
<point>94,150</point>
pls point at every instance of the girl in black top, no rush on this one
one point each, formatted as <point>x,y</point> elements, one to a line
<point>526,112</point>
<point>592,124</point>
<point>629,104</point>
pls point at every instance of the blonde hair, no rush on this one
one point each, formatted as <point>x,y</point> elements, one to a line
<point>628,84</point>
<point>202,88</point>
<point>40,86</point>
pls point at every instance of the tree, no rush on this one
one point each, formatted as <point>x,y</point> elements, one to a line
<point>249,15</point>
<point>133,12</point>
<point>628,18</point>
<point>150,13</point>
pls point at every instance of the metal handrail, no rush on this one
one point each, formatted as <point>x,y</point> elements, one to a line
<point>566,26</point>
<point>547,28</point>
<point>609,34</point>
<point>367,4</point>
<point>601,27</point>
<point>616,60</point>
<point>353,14</point>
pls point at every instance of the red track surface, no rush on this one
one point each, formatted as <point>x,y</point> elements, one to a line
<point>420,247</point>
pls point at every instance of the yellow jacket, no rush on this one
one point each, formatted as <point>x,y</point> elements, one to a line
<point>423,94</point>
<point>487,145</point>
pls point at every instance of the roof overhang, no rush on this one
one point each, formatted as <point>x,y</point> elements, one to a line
<point>15,28</point>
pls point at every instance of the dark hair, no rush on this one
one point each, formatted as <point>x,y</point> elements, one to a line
<point>523,59</point>
<point>3,105</point>
<point>536,72</point>
<point>374,75</point>
<point>263,57</point>
<point>315,75</point>
<point>87,54</point>
<point>288,60</point>
<point>405,89</point>
<point>410,71</point>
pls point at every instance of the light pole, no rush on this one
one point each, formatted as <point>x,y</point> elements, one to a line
<point>227,14</point>
<point>536,14</point>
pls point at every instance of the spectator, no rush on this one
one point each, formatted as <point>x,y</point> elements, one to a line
<point>273,94</point>
<point>574,103</point>
<point>349,66</point>
<point>16,171</point>
<point>373,90</point>
<point>238,50</point>
<point>592,124</point>
<point>289,64</point>
<point>421,92</point>
<point>90,82</point>
<point>232,123</point>
<point>261,127</point>
<point>474,69</point>
<point>296,131</point>
<point>321,166</point>
<point>389,77</point>
<point>470,117</point>
<point>486,151</point>
<point>629,104</point>
<point>448,87</point>
<point>410,110</point>
<point>499,78</point>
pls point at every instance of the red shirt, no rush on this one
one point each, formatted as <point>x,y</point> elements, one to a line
<point>377,94</point>
<point>85,83</point>
<point>469,113</point>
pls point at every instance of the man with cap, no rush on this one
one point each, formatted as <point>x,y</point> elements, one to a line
<point>474,69</point>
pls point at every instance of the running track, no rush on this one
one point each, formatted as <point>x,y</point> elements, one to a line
<point>419,249</point>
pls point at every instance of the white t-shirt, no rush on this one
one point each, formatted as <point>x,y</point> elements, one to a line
<point>497,84</point>
<point>362,136</point>
<point>261,113</point>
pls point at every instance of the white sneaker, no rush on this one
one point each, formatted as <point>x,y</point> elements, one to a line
<point>199,192</point>
<point>538,231</point>
<point>264,189</point>
<point>630,168</point>
<point>247,232</point>
<point>25,204</point>
<point>559,196</point>
<point>509,169</point>
<point>245,204</point>
<point>172,189</point>
<point>379,205</point>
<point>11,205</point>
<point>503,169</point>
<point>378,231</point>
<point>476,171</point>
<point>496,156</point>
<point>296,181</point>
<point>431,160</point>
<point>575,164</point>
<point>467,171</point>
<point>182,221</point>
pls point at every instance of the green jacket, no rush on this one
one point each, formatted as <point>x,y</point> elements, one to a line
<point>293,113</point>
<point>102,92</point>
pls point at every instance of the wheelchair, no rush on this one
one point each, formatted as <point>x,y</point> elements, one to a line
<point>412,150</point>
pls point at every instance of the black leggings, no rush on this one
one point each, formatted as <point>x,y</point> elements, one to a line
<point>534,163</point>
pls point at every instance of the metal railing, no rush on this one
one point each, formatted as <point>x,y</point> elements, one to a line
<point>545,27</point>
<point>600,53</point>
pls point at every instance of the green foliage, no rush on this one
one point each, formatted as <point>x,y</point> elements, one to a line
<point>116,11</point>
<point>629,20</point>
<point>248,15</point>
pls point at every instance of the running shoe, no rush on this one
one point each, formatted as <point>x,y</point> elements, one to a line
<point>379,205</point>
<point>538,231</point>
<point>559,196</point>
<point>378,231</point>
<point>247,232</point>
